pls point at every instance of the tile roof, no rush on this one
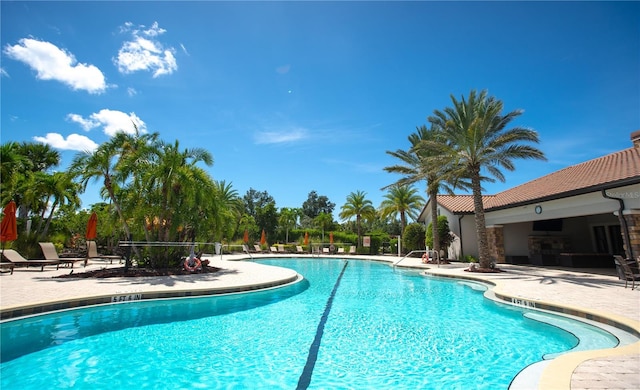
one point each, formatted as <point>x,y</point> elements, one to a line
<point>616,169</point>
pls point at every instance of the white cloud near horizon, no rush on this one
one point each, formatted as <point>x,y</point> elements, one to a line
<point>145,53</point>
<point>112,122</point>
<point>52,63</point>
<point>76,142</point>
<point>279,137</point>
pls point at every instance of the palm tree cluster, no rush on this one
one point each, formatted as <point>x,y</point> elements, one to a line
<point>159,188</point>
<point>464,145</point>
<point>158,192</point>
<point>26,178</point>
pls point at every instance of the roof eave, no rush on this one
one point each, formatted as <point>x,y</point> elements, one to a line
<point>568,194</point>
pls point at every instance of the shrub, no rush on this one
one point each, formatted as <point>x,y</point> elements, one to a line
<point>444,234</point>
<point>413,237</point>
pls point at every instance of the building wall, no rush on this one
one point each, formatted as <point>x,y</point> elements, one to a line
<point>579,213</point>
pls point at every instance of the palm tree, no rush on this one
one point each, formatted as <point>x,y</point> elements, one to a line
<point>477,140</point>
<point>324,221</point>
<point>178,185</point>
<point>63,190</point>
<point>101,165</point>
<point>422,164</point>
<point>357,205</point>
<point>226,210</point>
<point>288,220</point>
<point>28,164</point>
<point>12,163</point>
<point>403,201</point>
<point>114,162</point>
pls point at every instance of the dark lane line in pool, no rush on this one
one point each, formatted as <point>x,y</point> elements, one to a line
<point>305,377</point>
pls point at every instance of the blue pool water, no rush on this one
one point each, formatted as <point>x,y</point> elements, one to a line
<point>350,324</point>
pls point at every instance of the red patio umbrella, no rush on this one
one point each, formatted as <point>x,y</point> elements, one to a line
<point>9,225</point>
<point>306,238</point>
<point>246,236</point>
<point>331,238</point>
<point>92,225</point>
<point>263,238</point>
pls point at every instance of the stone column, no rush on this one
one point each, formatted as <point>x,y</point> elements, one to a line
<point>495,238</point>
<point>633,224</point>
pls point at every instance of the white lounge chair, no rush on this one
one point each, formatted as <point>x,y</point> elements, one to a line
<point>17,260</point>
<point>299,249</point>
<point>341,251</point>
<point>273,249</point>
<point>92,253</point>
<point>352,250</point>
<point>50,253</point>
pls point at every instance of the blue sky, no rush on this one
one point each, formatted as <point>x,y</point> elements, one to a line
<point>291,97</point>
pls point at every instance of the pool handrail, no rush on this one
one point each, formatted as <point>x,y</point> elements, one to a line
<point>430,254</point>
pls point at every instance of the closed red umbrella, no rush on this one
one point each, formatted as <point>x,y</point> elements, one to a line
<point>331,238</point>
<point>306,238</point>
<point>263,238</point>
<point>92,227</point>
<point>9,225</point>
<point>246,236</point>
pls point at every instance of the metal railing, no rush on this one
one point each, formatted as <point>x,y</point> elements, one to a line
<point>431,254</point>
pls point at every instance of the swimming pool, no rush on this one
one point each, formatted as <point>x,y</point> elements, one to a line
<point>350,324</point>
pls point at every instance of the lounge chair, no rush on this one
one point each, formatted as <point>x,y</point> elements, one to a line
<point>341,251</point>
<point>6,267</point>
<point>299,249</point>
<point>281,248</point>
<point>92,253</point>
<point>258,248</point>
<point>628,273</point>
<point>50,253</point>
<point>273,249</point>
<point>325,251</point>
<point>352,250</point>
<point>17,260</point>
<point>245,248</point>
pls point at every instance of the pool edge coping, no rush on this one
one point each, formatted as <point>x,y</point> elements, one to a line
<point>38,308</point>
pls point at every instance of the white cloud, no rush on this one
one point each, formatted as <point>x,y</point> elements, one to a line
<point>278,137</point>
<point>112,122</point>
<point>73,142</point>
<point>86,124</point>
<point>53,63</point>
<point>131,91</point>
<point>3,73</point>
<point>145,53</point>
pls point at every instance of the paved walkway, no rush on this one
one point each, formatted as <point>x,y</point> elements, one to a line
<point>586,293</point>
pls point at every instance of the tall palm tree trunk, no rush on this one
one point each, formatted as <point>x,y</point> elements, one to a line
<point>481,229</point>
<point>434,221</point>
<point>125,226</point>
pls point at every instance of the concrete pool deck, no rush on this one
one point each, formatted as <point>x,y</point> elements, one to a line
<point>591,294</point>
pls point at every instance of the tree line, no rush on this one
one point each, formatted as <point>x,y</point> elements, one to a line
<point>155,190</point>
